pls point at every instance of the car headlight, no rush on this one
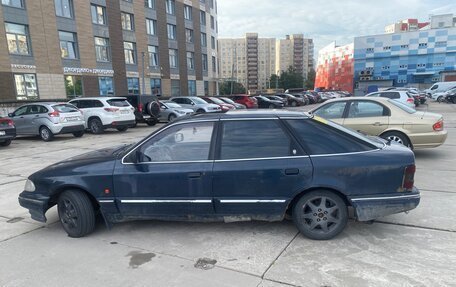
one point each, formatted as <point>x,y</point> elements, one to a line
<point>29,186</point>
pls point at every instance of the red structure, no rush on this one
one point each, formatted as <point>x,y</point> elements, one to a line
<point>335,68</point>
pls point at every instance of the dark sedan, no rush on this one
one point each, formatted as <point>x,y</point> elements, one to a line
<point>246,165</point>
<point>7,131</point>
<point>265,103</point>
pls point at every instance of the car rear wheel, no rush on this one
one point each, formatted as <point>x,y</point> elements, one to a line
<point>78,134</point>
<point>396,137</point>
<point>151,123</point>
<point>46,134</point>
<point>5,143</point>
<point>440,99</point>
<point>171,117</point>
<point>320,215</point>
<point>200,111</point>
<point>293,104</point>
<point>271,106</point>
<point>76,213</point>
<point>96,126</point>
<point>122,129</point>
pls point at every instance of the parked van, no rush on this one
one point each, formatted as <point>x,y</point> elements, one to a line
<point>440,87</point>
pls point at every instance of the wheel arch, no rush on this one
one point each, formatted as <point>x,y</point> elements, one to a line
<point>59,190</point>
<point>94,117</point>
<point>398,131</point>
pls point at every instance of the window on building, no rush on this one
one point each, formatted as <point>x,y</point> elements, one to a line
<point>211,3</point>
<point>73,86</point>
<point>133,86</point>
<point>403,66</point>
<point>206,88</point>
<point>26,87</point>
<point>192,88</point>
<point>171,32</point>
<point>127,21</point>
<point>64,8</point>
<point>203,18</point>
<point>153,56</point>
<point>68,45</point>
<point>106,86</point>
<point>151,27</point>
<point>214,64</point>
<point>190,60</point>
<point>155,86</point>
<point>370,50</point>
<point>203,39</point>
<point>18,39</point>
<point>98,14</point>
<point>204,62</point>
<point>170,7</point>
<point>150,4</point>
<point>212,22</point>
<point>175,88</point>
<point>173,58</point>
<point>441,44</point>
<point>130,52</point>
<point>421,65</point>
<point>213,42</point>
<point>13,3</point>
<point>189,35</point>
<point>102,49</point>
<point>404,46</point>
<point>422,45</point>
<point>187,12</point>
<point>387,48</point>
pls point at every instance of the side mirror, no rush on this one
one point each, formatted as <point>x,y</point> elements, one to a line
<point>179,137</point>
<point>193,103</point>
<point>11,115</point>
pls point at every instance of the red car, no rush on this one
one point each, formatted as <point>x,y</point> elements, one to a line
<point>224,106</point>
<point>246,100</point>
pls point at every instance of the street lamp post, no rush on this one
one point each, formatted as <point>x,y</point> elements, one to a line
<point>143,86</point>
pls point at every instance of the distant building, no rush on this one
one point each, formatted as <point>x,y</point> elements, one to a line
<point>295,51</point>
<point>335,68</point>
<point>406,25</point>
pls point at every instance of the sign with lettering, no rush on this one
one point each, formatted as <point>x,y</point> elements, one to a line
<point>70,70</point>
<point>23,67</point>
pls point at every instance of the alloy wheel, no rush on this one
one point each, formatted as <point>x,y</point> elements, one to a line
<point>321,214</point>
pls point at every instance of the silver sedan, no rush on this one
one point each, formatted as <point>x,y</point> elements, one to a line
<point>170,110</point>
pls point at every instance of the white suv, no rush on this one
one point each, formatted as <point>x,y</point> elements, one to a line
<point>400,96</point>
<point>106,112</point>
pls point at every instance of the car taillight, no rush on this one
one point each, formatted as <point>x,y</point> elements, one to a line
<point>111,110</point>
<point>410,100</point>
<point>54,114</point>
<point>7,122</point>
<point>140,107</point>
<point>438,126</point>
<point>409,174</point>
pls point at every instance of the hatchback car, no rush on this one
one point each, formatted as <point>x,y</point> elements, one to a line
<point>7,131</point>
<point>265,103</point>
<point>229,167</point>
<point>48,120</point>
<point>386,118</point>
<point>196,104</point>
<point>171,111</point>
<point>216,101</point>
<point>106,112</point>
<point>231,102</point>
<point>246,100</point>
<point>400,96</point>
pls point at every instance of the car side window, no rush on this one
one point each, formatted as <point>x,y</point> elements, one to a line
<point>42,109</point>
<point>178,100</point>
<point>33,110</point>
<point>75,103</point>
<point>96,104</point>
<point>184,142</point>
<point>375,95</point>
<point>21,111</point>
<point>318,138</point>
<point>363,109</point>
<point>434,87</point>
<point>390,95</point>
<point>254,139</point>
<point>331,111</point>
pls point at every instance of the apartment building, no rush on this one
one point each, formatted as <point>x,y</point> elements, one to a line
<point>295,51</point>
<point>57,49</point>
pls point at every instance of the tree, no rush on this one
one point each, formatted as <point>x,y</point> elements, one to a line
<point>310,82</point>
<point>287,80</point>
<point>225,88</point>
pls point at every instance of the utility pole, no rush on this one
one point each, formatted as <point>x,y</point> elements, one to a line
<point>143,87</point>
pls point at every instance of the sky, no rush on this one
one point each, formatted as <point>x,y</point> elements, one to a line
<point>323,20</point>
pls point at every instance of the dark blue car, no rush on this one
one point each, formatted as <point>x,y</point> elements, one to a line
<point>253,165</point>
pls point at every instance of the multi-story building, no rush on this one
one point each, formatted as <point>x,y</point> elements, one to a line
<point>295,51</point>
<point>65,48</point>
<point>406,25</point>
<point>252,60</point>
<point>335,68</point>
<point>415,58</point>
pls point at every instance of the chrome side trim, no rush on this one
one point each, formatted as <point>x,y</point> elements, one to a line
<point>386,197</point>
<point>106,201</point>
<point>345,153</point>
<point>253,200</point>
<point>166,201</point>
<point>261,158</point>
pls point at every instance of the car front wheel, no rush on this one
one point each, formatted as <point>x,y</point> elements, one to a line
<point>76,213</point>
<point>171,117</point>
<point>78,134</point>
<point>320,215</point>
<point>5,143</point>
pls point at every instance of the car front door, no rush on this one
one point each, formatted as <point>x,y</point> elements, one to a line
<point>258,168</point>
<point>169,174</point>
<point>368,117</point>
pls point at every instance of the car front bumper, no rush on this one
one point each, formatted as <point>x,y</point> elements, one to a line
<point>37,204</point>
<point>376,206</point>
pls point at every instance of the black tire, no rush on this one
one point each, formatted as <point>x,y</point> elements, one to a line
<point>5,143</point>
<point>78,134</point>
<point>453,100</point>
<point>122,129</point>
<point>294,103</point>
<point>320,214</point>
<point>271,106</point>
<point>46,134</point>
<point>76,213</point>
<point>171,117</point>
<point>151,123</point>
<point>200,111</point>
<point>397,137</point>
<point>440,99</point>
<point>96,126</point>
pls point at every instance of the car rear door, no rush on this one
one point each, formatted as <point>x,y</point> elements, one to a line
<point>258,168</point>
<point>334,111</point>
<point>368,117</point>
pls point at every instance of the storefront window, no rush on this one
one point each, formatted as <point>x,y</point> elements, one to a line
<point>192,88</point>
<point>155,86</point>
<point>73,86</point>
<point>26,87</point>
<point>133,86</point>
<point>175,88</point>
<point>106,86</point>
<point>206,88</point>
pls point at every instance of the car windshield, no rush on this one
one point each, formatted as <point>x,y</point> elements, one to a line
<point>118,103</point>
<point>263,98</point>
<point>217,101</point>
<point>172,105</point>
<point>65,108</point>
<point>402,106</point>
<point>229,101</point>
<point>199,101</point>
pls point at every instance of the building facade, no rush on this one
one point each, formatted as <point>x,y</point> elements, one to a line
<point>406,25</point>
<point>252,60</point>
<point>55,49</point>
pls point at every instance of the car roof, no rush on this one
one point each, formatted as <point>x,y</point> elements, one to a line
<point>100,98</point>
<point>246,114</point>
<point>44,103</point>
<point>378,99</point>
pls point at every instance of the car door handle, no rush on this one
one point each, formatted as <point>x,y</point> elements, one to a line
<point>292,171</point>
<point>194,175</point>
<point>377,124</point>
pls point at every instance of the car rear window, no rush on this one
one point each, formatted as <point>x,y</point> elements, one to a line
<point>118,103</point>
<point>403,106</point>
<point>320,137</point>
<point>65,108</point>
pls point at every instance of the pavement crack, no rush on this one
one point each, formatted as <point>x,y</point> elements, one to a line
<point>280,254</point>
<point>416,226</point>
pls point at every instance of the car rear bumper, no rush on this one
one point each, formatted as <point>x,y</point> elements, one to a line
<point>71,129</point>
<point>373,207</point>
<point>428,140</point>
<point>118,124</point>
<point>37,204</point>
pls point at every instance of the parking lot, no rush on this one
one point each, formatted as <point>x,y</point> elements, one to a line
<point>415,249</point>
